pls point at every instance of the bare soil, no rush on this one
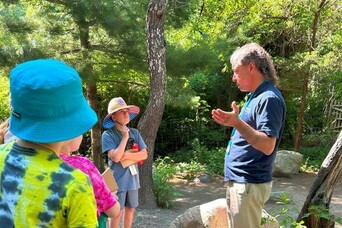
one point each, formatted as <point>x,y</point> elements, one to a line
<point>296,187</point>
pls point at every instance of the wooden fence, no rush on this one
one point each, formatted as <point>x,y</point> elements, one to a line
<point>334,115</point>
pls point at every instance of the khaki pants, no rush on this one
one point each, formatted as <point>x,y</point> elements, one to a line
<point>245,202</point>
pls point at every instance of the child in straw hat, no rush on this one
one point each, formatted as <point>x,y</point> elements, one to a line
<point>37,188</point>
<point>116,142</point>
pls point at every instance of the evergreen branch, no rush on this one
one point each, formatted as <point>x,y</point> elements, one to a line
<point>123,81</point>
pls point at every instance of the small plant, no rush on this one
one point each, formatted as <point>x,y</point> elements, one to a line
<point>322,212</point>
<point>306,167</point>
<point>267,218</point>
<point>314,156</point>
<point>190,170</point>
<point>212,160</point>
<point>285,219</point>
<point>163,171</point>
<point>338,220</point>
<point>215,162</point>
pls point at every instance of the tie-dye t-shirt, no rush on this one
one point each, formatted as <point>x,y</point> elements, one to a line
<point>38,189</point>
<point>104,198</point>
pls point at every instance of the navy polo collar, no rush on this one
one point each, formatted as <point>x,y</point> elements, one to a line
<point>261,88</point>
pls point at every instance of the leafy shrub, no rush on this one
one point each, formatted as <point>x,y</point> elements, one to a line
<point>319,139</point>
<point>189,164</point>
<point>190,170</point>
<point>215,163</point>
<point>212,160</point>
<point>322,212</point>
<point>163,171</point>
<point>313,157</point>
<point>308,167</point>
<point>4,98</point>
<point>283,216</point>
<point>182,155</point>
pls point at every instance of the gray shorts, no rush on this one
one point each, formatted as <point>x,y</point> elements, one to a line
<point>128,199</point>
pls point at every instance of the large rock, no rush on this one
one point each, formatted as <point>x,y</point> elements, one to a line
<point>211,215</point>
<point>286,163</point>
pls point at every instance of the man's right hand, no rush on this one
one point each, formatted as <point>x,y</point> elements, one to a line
<point>224,118</point>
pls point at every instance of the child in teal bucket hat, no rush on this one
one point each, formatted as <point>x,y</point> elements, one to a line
<point>49,111</point>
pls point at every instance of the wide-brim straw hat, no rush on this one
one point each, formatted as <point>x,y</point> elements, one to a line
<point>117,104</point>
<point>48,104</point>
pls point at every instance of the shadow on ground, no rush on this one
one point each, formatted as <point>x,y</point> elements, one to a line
<point>194,194</point>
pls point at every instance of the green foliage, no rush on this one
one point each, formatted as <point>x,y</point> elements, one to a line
<point>267,219</point>
<point>285,30</point>
<point>188,165</point>
<point>323,139</point>
<point>185,118</point>
<point>14,19</point>
<point>54,31</point>
<point>200,37</point>
<point>313,157</point>
<point>285,219</point>
<point>212,160</point>
<point>290,123</point>
<point>316,147</point>
<point>199,82</point>
<point>339,220</point>
<point>322,212</point>
<point>190,170</point>
<point>309,166</point>
<point>163,171</point>
<point>216,161</point>
<point>182,155</point>
<point>4,98</point>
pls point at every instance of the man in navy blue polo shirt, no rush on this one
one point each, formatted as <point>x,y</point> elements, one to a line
<point>255,137</point>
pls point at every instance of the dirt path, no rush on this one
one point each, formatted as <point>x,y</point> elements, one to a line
<point>194,194</point>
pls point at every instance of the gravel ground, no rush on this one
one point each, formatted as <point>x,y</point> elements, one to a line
<point>296,187</point>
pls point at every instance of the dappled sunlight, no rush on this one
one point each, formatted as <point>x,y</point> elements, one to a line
<point>196,193</point>
<point>337,201</point>
<point>300,182</point>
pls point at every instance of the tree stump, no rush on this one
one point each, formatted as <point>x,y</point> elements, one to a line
<point>321,190</point>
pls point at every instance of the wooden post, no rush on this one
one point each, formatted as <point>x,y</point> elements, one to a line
<point>321,191</point>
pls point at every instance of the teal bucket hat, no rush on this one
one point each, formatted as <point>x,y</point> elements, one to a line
<point>48,104</point>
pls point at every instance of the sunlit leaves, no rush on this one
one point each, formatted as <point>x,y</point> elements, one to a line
<point>4,97</point>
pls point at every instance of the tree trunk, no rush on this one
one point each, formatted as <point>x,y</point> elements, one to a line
<point>96,130</point>
<point>300,115</point>
<point>321,191</point>
<point>92,96</point>
<point>151,119</point>
<point>307,76</point>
